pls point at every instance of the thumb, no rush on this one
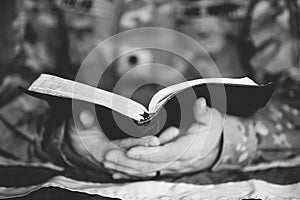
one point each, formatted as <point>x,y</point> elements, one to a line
<point>132,142</point>
<point>202,112</point>
<point>210,126</point>
<point>168,135</point>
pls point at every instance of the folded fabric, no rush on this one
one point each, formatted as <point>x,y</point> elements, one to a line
<point>164,190</point>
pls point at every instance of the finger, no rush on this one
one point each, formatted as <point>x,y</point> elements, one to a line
<point>130,174</point>
<point>120,168</point>
<point>168,135</point>
<point>119,159</point>
<point>150,154</point>
<point>200,140</point>
<point>170,169</point>
<point>178,167</point>
<point>161,154</point>
<point>131,142</point>
<point>118,176</point>
<point>126,173</point>
<point>87,119</point>
<point>202,112</point>
<point>121,176</point>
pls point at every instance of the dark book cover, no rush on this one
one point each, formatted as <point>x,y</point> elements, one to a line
<point>177,111</point>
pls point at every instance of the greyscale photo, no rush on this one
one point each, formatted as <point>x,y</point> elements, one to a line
<point>149,99</point>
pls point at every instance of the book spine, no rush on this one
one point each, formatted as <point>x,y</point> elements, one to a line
<point>147,119</point>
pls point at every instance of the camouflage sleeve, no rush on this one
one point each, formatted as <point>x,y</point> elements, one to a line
<point>270,138</point>
<point>19,127</point>
<point>239,144</point>
<point>31,134</point>
<point>24,133</point>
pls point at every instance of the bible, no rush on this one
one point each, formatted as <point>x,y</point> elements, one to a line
<point>120,116</point>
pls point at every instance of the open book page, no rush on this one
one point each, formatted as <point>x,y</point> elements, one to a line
<point>56,86</point>
<point>162,96</point>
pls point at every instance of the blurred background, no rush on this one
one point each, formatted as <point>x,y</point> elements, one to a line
<point>255,38</point>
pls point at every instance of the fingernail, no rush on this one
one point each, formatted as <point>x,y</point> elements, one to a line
<point>133,154</point>
<point>86,118</point>
<point>109,165</point>
<point>201,104</point>
<point>154,141</point>
<point>117,176</point>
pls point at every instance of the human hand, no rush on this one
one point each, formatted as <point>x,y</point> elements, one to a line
<point>89,141</point>
<point>194,150</point>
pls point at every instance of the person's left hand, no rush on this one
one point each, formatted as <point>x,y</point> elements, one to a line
<point>194,150</point>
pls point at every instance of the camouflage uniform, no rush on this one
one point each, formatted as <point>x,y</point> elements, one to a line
<point>33,133</point>
<point>268,137</point>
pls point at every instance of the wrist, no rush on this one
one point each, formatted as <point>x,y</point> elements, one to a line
<point>207,162</point>
<point>212,158</point>
<point>239,145</point>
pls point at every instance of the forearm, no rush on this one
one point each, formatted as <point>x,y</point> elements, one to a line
<point>211,159</point>
<point>268,137</point>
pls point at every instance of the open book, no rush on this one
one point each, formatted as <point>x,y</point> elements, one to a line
<point>170,106</point>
